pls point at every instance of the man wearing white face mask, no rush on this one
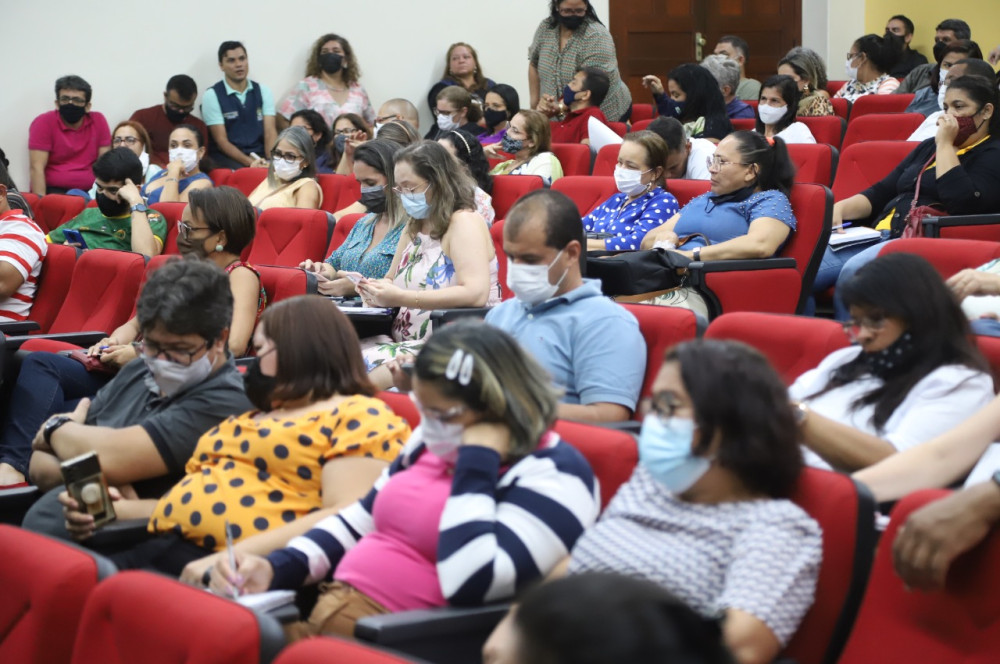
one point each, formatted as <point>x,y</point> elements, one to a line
<point>966,67</point>
<point>591,346</point>
<point>145,423</point>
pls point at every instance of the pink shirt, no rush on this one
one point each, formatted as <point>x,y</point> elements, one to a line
<point>71,151</point>
<point>313,93</point>
<point>396,564</point>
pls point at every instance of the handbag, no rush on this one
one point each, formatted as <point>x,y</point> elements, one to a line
<point>913,226</point>
<point>637,272</point>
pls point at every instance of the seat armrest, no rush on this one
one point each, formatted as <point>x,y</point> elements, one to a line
<point>19,327</point>
<point>445,316</point>
<point>119,533</point>
<point>629,426</point>
<point>933,225</point>
<point>446,634</point>
<point>741,265</point>
<point>82,339</point>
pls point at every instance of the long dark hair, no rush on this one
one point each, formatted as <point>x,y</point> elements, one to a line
<point>983,91</point>
<point>470,152</point>
<point>906,287</point>
<point>884,51</point>
<point>704,98</point>
<point>775,169</point>
<point>554,13</point>
<point>789,91</point>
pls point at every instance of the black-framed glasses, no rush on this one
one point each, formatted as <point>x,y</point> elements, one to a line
<point>184,229</point>
<point>287,157</point>
<point>175,355</point>
<point>853,327</point>
<point>662,404</point>
<point>76,101</point>
<point>127,140</point>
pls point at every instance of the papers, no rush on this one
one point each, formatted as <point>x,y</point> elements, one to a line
<point>263,602</point>
<point>600,134</point>
<point>381,311</point>
<point>988,464</point>
<point>852,236</point>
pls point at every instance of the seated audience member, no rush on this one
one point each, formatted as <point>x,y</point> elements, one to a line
<point>464,147</point>
<point>736,48</point>
<point>349,131</point>
<point>291,175</point>
<point>461,68</point>
<point>641,204</point>
<point>581,100</point>
<point>397,109</point>
<point>930,98</point>
<point>321,136</point>
<point>308,385</point>
<point>22,249</point>
<point>912,374</point>
<point>746,214</point>
<point>239,112</point>
<point>562,319</point>
<point>604,619</point>
<point>967,67</point>
<point>332,84</point>
<point>808,71</point>
<point>727,74</point>
<point>687,157</point>
<point>160,121</point>
<point>400,132</point>
<point>779,99</point>
<point>868,64</point>
<point>456,109</point>
<point>960,170</point>
<point>371,244</point>
<point>121,219</point>
<point>695,99</point>
<point>903,28</point>
<point>64,144</point>
<point>132,135</point>
<point>183,174</point>
<point>444,260</point>
<point>145,423</point>
<point>529,141</point>
<point>15,200</point>
<point>486,413</point>
<point>502,104</point>
<point>977,291</point>
<point>706,514</point>
<point>946,32</point>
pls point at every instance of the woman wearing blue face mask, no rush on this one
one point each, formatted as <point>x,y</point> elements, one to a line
<point>291,175</point>
<point>445,257</point>
<point>706,514</point>
<point>482,500</point>
<point>693,97</point>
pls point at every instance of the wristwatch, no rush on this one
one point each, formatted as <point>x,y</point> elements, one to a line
<point>800,411</point>
<point>697,254</point>
<point>139,207</point>
<point>52,424</point>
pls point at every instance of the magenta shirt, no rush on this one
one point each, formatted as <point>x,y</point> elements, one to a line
<point>72,152</point>
<point>396,564</point>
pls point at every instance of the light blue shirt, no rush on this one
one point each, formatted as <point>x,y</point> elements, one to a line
<point>591,346</point>
<point>211,112</point>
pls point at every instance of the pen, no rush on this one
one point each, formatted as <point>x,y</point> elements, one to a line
<point>232,555</point>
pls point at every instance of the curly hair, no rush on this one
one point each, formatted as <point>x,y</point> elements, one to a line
<point>351,72</point>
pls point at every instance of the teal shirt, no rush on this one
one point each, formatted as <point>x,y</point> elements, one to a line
<point>100,232</point>
<point>211,112</point>
<point>352,257</point>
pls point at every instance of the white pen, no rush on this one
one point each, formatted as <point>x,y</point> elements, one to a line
<point>232,555</point>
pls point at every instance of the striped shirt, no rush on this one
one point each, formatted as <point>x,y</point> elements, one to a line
<point>22,245</point>
<point>500,528</point>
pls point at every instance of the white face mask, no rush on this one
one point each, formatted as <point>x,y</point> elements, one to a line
<point>852,72</point>
<point>941,92</point>
<point>629,181</point>
<point>285,171</point>
<point>171,377</point>
<point>942,74</point>
<point>144,160</point>
<point>445,123</point>
<point>188,157</point>
<point>442,439</point>
<point>530,283</point>
<point>770,115</point>
<point>376,129</point>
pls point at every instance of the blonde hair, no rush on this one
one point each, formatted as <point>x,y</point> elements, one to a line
<point>656,151</point>
<point>536,126</point>
<point>451,186</point>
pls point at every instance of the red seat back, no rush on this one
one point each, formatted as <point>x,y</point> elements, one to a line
<point>332,649</point>
<point>102,291</point>
<point>247,179</point>
<point>947,256</point>
<point>574,157</point>
<point>815,163</point>
<point>685,190</point>
<point>402,405</point>
<point>340,232</point>
<point>54,210</point>
<point>171,214</point>
<point>281,283</point>
<point>330,185</point>
<point>841,107</point>
<point>661,327</point>
<point>752,103</point>
<point>606,160</point>
<point>642,112</point>
<point>496,234</point>
<point>288,236</point>
<point>30,198</point>
<point>45,586</point>
<point>744,124</point>
<point>642,124</point>
<point>138,617</point>
<point>869,104</point>
<point>508,188</point>
<point>619,128</point>
<point>812,205</point>
<point>587,191</point>
<point>833,86</point>
<point>612,454</point>
<point>350,191</point>
<point>959,624</point>
<point>220,176</point>
<point>53,284</point>
<point>827,129</point>
<point>881,126</point>
<point>792,344</point>
<point>863,164</point>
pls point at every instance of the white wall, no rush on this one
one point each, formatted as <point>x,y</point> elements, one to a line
<point>128,51</point>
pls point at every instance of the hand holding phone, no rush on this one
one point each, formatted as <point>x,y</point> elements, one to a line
<point>75,238</point>
<point>86,485</point>
<point>354,277</point>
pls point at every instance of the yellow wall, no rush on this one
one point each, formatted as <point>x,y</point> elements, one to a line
<point>982,15</point>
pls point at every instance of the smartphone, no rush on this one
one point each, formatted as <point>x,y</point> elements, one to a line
<point>85,483</point>
<point>74,236</point>
<point>355,277</point>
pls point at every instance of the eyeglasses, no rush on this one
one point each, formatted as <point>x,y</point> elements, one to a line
<point>387,118</point>
<point>662,404</point>
<point>184,230</point>
<point>180,109</point>
<point>345,132</point>
<point>109,191</point>
<point>851,56</point>
<point>718,162</point>
<point>573,12</point>
<point>175,355</point>
<point>287,157</point>
<point>127,140</point>
<point>411,190</point>
<point>76,101</point>
<point>436,413</point>
<point>852,327</point>
<point>440,112</point>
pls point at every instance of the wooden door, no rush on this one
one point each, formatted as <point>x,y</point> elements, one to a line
<point>654,36</point>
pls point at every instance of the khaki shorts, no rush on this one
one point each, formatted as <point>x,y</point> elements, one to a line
<point>337,610</point>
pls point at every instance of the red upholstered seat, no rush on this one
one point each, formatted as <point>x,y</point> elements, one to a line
<point>881,126</point>
<point>642,112</point>
<point>863,164</point>
<point>587,191</point>
<point>54,210</point>
<point>661,327</point>
<point>53,284</point>
<point>959,624</point>
<point>612,454</point>
<point>331,649</point>
<point>744,124</point>
<point>496,234</point>
<point>606,160</point>
<point>815,163</point>
<point>220,176</point>
<point>642,124</point>
<point>947,256</point>
<point>281,283</point>
<point>402,405</point>
<point>342,230</point>
<point>143,617</point>
<point>619,128</point>
<point>574,158</point>
<point>247,179</point>
<point>827,129</point>
<point>868,104</point>
<point>171,214</point>
<point>45,585</point>
<point>339,191</point>
<point>833,86</point>
<point>508,188</point>
<point>288,236</point>
<point>685,190</point>
<point>841,107</point>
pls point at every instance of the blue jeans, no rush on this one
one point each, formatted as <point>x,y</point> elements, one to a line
<point>835,263</point>
<point>987,327</point>
<point>48,384</point>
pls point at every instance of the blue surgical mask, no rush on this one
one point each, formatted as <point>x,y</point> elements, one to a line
<point>569,95</point>
<point>665,451</point>
<point>416,205</point>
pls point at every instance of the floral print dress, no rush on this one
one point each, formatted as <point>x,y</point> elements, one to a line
<point>424,266</point>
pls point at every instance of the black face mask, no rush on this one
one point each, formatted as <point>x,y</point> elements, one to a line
<point>939,49</point>
<point>494,118</point>
<point>176,117</point>
<point>111,208</point>
<point>71,113</point>
<point>571,22</point>
<point>374,201</point>
<point>331,63</point>
<point>258,387</point>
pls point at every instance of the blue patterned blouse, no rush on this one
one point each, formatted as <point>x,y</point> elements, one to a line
<point>351,256</point>
<point>631,222</point>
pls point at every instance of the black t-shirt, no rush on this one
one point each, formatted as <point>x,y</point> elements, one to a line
<point>910,60</point>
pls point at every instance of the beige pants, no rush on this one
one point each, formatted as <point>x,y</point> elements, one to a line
<point>337,611</point>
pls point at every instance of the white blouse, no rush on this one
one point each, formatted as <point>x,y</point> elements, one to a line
<point>797,132</point>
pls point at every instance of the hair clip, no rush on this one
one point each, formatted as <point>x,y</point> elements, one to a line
<point>460,367</point>
<point>468,150</point>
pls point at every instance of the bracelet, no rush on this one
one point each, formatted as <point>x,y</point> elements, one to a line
<point>416,299</point>
<point>170,180</point>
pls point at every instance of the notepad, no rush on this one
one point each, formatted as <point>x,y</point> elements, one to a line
<point>267,601</point>
<point>366,310</point>
<point>853,235</point>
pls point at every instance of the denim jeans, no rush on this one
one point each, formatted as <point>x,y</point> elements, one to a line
<point>987,327</point>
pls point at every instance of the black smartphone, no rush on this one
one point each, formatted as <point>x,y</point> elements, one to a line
<point>86,485</point>
<point>74,236</point>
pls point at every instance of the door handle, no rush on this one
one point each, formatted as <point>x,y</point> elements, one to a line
<point>699,42</point>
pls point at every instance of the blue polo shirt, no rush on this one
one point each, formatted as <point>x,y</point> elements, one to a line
<point>591,346</point>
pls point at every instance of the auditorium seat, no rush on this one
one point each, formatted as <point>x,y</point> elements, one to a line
<point>612,454</point>
<point>281,283</point>
<point>947,256</point>
<point>220,176</point>
<point>642,124</point>
<point>661,327</point>
<point>574,158</point>
<point>685,190</point>
<point>30,198</point>
<point>833,86</point>
<point>642,112</point>
<point>815,163</point>
<point>54,210</point>
<point>247,179</point>
<point>401,404</point>
<point>332,649</point>
<point>288,236</point>
<point>964,227</point>
<point>496,234</point>
<point>619,128</point>
<point>53,284</point>
<point>586,191</point>
<point>606,160</point>
<point>881,126</point>
<point>331,185</point>
<point>341,230</point>
<point>508,188</point>
<point>863,164</point>
<point>827,129</point>
<point>743,124</point>
<point>841,107</point>
<point>172,215</point>
<point>868,104</point>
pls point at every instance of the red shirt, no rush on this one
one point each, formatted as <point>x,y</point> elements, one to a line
<point>573,128</point>
<point>71,151</point>
<point>154,120</point>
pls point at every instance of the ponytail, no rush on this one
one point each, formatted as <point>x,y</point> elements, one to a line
<point>775,167</point>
